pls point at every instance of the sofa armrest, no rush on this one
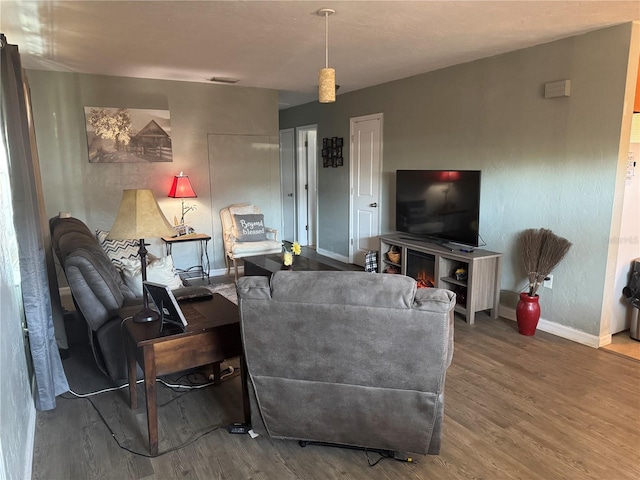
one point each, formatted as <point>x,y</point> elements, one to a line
<point>229,240</point>
<point>254,288</point>
<point>272,231</point>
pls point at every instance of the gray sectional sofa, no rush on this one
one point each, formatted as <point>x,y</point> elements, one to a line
<point>98,291</point>
<point>348,358</point>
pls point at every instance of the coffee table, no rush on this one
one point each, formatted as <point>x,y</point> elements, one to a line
<point>211,336</point>
<point>265,265</point>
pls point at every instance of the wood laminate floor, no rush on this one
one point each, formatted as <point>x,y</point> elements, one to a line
<point>623,344</point>
<point>516,407</point>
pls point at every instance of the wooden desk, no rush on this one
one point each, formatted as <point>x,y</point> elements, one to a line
<point>213,334</point>
<point>203,240</point>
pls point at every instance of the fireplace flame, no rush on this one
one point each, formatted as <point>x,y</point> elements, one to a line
<point>424,281</point>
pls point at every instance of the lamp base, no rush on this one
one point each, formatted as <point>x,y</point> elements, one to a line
<point>146,315</point>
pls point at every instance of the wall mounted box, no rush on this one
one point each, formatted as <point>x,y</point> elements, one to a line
<point>561,88</point>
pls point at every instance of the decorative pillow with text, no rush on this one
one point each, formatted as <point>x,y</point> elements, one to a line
<point>250,228</point>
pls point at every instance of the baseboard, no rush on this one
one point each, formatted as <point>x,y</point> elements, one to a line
<point>605,340</point>
<point>31,434</point>
<point>504,311</point>
<point>333,255</point>
<point>218,272</point>
<point>559,330</point>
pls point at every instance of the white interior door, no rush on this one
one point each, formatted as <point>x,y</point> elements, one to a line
<point>312,185</point>
<point>288,184</point>
<point>366,165</point>
<point>306,199</point>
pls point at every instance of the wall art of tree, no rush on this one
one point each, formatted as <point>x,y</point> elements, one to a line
<point>122,135</point>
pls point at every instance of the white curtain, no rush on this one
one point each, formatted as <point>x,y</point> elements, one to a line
<point>28,219</point>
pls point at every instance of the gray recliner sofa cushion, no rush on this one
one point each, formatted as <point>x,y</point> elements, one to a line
<point>98,290</point>
<point>97,287</point>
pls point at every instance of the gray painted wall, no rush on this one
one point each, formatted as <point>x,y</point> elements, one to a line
<point>92,192</point>
<point>545,162</point>
<point>17,410</point>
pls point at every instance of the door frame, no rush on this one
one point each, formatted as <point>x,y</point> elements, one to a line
<point>306,176</point>
<point>352,121</point>
<point>282,190</point>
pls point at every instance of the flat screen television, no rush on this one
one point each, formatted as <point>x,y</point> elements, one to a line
<point>439,205</point>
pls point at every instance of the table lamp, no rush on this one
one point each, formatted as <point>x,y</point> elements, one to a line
<point>140,217</point>
<point>181,188</point>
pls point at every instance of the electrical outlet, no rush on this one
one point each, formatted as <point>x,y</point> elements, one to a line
<point>548,282</point>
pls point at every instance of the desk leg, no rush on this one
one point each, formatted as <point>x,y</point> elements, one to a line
<point>204,261</point>
<point>215,368</point>
<point>131,371</point>
<point>152,406</point>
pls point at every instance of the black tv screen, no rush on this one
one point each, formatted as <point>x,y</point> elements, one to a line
<point>439,204</point>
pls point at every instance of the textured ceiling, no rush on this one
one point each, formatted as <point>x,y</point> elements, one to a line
<point>280,44</point>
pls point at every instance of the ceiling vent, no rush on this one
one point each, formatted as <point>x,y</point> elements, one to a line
<point>224,80</point>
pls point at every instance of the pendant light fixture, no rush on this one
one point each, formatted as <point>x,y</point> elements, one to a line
<point>327,77</point>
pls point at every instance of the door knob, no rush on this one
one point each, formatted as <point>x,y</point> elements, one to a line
<point>374,205</point>
<point>289,194</point>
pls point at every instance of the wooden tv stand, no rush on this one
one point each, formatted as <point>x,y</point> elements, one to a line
<point>481,289</point>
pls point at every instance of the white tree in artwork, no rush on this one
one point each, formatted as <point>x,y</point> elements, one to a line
<point>115,126</point>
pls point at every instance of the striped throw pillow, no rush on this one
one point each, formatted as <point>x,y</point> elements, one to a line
<point>117,250</point>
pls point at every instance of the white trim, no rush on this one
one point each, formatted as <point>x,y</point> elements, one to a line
<point>300,179</point>
<point>295,199</point>
<point>218,272</point>
<point>560,330</point>
<point>306,159</point>
<point>31,434</point>
<point>333,255</point>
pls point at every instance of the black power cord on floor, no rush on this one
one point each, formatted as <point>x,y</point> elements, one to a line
<point>173,449</point>
<point>173,387</point>
<point>386,456</point>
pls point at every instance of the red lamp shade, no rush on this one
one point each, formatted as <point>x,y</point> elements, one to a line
<point>181,187</point>
<point>447,176</point>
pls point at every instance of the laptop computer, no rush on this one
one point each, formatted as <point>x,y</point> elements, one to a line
<point>166,304</point>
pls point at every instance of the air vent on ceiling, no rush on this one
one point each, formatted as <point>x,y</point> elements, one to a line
<point>223,80</point>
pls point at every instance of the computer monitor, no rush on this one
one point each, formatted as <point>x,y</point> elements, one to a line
<point>165,303</point>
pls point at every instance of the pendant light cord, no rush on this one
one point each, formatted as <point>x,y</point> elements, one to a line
<point>326,39</point>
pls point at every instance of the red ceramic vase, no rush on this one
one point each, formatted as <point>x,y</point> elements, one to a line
<point>528,314</point>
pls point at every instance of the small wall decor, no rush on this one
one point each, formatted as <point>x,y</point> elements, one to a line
<point>124,135</point>
<point>332,152</point>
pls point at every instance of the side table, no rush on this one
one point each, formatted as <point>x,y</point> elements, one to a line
<point>211,336</point>
<point>203,269</point>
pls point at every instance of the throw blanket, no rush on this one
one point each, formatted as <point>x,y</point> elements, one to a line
<point>227,290</point>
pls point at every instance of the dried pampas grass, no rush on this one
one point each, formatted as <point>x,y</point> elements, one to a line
<point>541,250</point>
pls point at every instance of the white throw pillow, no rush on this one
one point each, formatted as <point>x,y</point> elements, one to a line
<point>159,271</point>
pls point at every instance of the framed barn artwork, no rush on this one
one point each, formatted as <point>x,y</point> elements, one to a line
<point>126,135</point>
